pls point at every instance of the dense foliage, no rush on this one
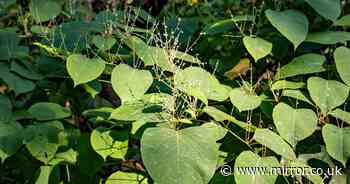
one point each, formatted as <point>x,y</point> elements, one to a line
<point>171,92</point>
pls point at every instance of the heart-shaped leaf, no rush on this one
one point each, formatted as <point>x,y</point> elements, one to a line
<point>103,43</point>
<point>170,156</point>
<point>290,23</point>
<point>198,82</point>
<point>328,37</point>
<point>42,140</point>
<point>329,9</point>
<point>44,111</point>
<point>337,142</point>
<point>83,69</point>
<point>130,84</point>
<point>341,57</point>
<point>327,94</point>
<point>244,99</point>
<point>294,124</point>
<point>109,143</point>
<point>248,159</point>
<point>44,10</point>
<point>274,142</point>
<point>257,47</point>
<point>305,64</point>
<point>11,137</point>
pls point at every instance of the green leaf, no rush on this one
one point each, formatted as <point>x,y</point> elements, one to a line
<point>328,37</point>
<point>329,9</point>
<point>337,142</point>
<point>5,109</point>
<point>42,140</point>
<point>284,84</point>
<point>130,84</point>
<point>226,25</point>
<point>103,43</point>
<point>220,116</point>
<point>198,82</point>
<point>25,70</point>
<point>10,139</point>
<point>257,47</point>
<point>274,142</point>
<point>44,10</point>
<point>305,64</point>
<point>342,115</point>
<point>248,159</point>
<point>170,156</point>
<point>109,143</point>
<point>327,94</point>
<point>126,178</point>
<point>48,174</point>
<point>341,57</point>
<point>16,83</point>
<point>44,111</point>
<point>343,21</point>
<point>69,156</point>
<point>93,88</point>
<point>339,179</point>
<point>316,179</point>
<point>83,69</point>
<point>290,23</point>
<point>244,99</point>
<point>297,95</point>
<point>157,56</point>
<point>294,124</point>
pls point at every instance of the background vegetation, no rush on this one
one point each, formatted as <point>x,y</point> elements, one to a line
<point>168,92</point>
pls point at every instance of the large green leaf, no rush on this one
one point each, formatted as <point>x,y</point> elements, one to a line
<point>290,23</point>
<point>126,178</point>
<point>44,10</point>
<point>342,115</point>
<point>44,111</point>
<point>42,139</point>
<point>248,159</point>
<point>305,64</point>
<point>5,109</point>
<point>244,98</point>
<point>329,9</point>
<point>130,84</point>
<point>197,82</point>
<point>337,142</point>
<point>294,124</point>
<point>328,37</point>
<point>257,47</point>
<point>341,57</point>
<point>109,143</point>
<point>48,174</point>
<point>274,142</point>
<point>186,156</point>
<point>11,137</point>
<point>327,94</point>
<point>26,70</point>
<point>83,69</point>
